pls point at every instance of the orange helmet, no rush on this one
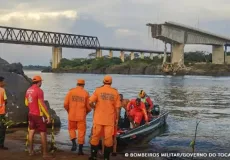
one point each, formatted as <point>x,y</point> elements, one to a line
<point>37,79</point>
<point>80,81</point>
<point>107,79</point>
<point>142,93</point>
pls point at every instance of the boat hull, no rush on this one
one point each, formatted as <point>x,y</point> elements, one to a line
<point>143,130</point>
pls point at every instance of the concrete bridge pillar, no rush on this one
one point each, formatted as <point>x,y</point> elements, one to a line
<point>122,56</point>
<point>218,54</point>
<point>131,56</point>
<point>151,56</point>
<point>98,53</point>
<point>110,54</point>
<point>142,55</point>
<point>177,55</point>
<point>56,56</point>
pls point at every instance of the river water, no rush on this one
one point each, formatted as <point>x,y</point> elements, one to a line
<point>187,98</point>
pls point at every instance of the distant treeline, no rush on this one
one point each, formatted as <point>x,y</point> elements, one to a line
<point>35,67</point>
<point>92,63</point>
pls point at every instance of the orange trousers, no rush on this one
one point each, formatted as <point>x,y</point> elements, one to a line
<point>80,126</point>
<point>108,135</point>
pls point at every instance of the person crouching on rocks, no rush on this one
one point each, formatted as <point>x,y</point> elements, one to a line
<point>3,102</point>
<point>34,99</point>
<point>77,105</point>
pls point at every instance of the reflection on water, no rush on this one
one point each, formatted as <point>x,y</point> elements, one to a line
<point>187,98</point>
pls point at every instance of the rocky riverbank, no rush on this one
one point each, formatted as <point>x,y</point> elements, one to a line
<point>205,69</point>
<point>16,85</point>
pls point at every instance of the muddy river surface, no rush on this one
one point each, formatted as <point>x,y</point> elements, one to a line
<point>187,98</point>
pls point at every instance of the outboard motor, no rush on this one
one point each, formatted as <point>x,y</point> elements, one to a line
<point>156,110</point>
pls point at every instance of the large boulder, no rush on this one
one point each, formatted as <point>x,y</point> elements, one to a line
<point>16,85</point>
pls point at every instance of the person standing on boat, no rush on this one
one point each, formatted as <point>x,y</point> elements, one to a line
<point>147,101</point>
<point>77,106</point>
<point>124,103</point>
<point>136,110</point>
<point>106,109</point>
<point>3,102</point>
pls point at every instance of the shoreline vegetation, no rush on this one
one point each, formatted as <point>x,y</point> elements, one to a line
<point>195,63</point>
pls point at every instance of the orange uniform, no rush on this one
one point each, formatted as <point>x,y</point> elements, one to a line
<point>3,99</point>
<point>77,105</point>
<point>107,101</point>
<point>114,133</point>
<point>137,112</point>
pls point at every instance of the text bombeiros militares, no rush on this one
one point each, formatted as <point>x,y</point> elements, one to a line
<point>198,155</point>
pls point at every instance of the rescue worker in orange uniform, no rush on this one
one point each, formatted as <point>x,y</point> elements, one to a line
<point>34,99</point>
<point>107,108</point>
<point>77,105</point>
<point>114,139</point>
<point>3,102</point>
<point>137,112</point>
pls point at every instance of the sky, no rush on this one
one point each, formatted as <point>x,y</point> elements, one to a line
<point>116,23</point>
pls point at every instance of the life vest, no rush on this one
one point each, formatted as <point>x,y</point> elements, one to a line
<point>143,100</point>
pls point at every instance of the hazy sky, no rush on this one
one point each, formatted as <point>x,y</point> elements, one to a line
<point>117,23</point>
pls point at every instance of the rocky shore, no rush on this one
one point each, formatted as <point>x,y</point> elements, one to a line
<point>204,69</point>
<point>16,85</point>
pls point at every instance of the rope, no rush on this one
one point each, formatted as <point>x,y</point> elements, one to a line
<point>27,140</point>
<point>53,147</point>
<point>10,123</point>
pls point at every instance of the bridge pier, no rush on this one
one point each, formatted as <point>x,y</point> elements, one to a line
<point>122,56</point>
<point>56,56</point>
<point>131,56</point>
<point>218,54</point>
<point>151,56</point>
<point>110,54</point>
<point>177,55</point>
<point>142,55</point>
<point>98,53</point>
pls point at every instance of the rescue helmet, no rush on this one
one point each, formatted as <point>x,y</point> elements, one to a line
<point>142,93</point>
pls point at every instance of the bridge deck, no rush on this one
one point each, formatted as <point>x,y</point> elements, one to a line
<point>185,27</point>
<point>46,38</point>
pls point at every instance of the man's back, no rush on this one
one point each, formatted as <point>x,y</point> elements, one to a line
<point>107,99</point>
<point>77,101</point>
<point>32,96</point>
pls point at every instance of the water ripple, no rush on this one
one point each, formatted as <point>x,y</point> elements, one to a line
<point>187,98</point>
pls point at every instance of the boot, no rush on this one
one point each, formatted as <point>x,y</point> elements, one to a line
<point>114,154</point>
<point>74,145</point>
<point>80,152</point>
<point>107,152</point>
<point>93,153</point>
<point>2,147</point>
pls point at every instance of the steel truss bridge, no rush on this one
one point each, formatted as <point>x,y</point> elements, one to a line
<point>45,38</point>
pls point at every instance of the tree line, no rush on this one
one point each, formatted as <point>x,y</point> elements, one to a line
<point>92,62</point>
